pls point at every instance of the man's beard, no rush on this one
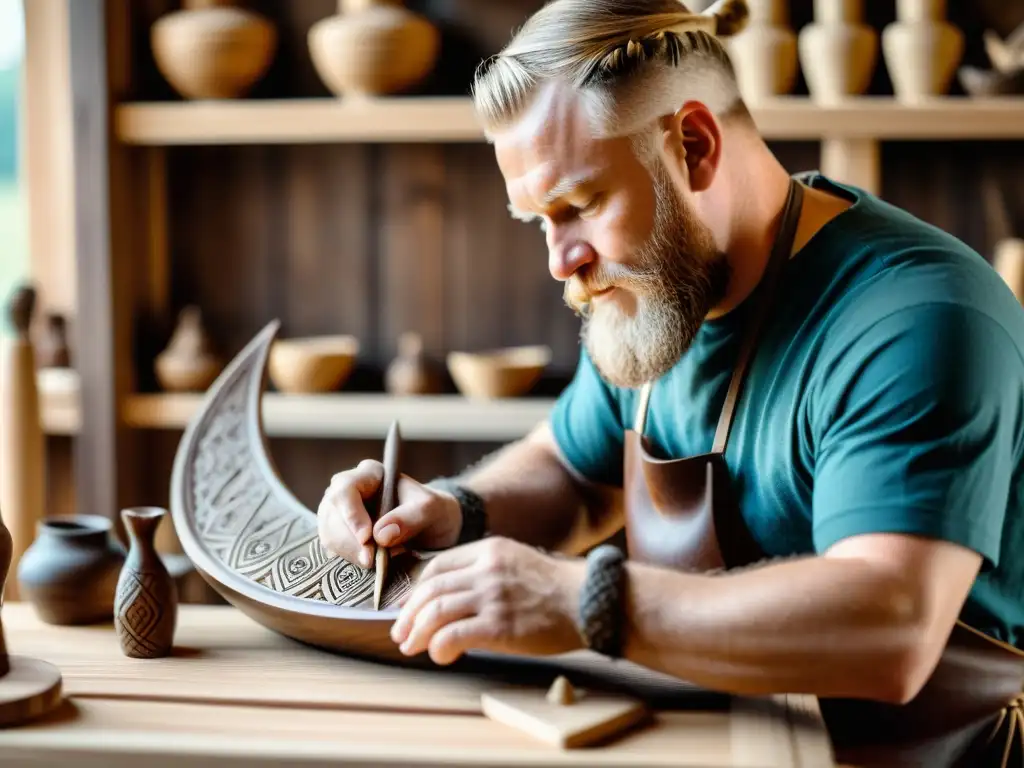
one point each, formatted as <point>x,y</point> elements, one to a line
<point>677,277</point>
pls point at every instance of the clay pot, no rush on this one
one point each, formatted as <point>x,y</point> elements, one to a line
<point>189,362</point>
<point>411,373</point>
<point>838,52</point>
<point>211,50</point>
<point>498,373</point>
<point>146,600</point>
<point>70,570</point>
<point>312,364</point>
<point>373,47</point>
<point>922,51</point>
<point>764,54</point>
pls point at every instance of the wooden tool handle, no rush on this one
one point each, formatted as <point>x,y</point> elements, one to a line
<point>388,501</point>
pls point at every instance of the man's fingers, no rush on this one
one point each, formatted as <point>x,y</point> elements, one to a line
<point>436,614</point>
<point>346,496</point>
<point>335,535</point>
<point>454,559</point>
<point>453,640</point>
<point>424,592</point>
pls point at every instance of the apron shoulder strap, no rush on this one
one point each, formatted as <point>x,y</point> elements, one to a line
<point>781,252</point>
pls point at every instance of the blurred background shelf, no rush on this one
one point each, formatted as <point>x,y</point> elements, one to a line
<point>360,416</point>
<point>451,119</point>
<point>337,415</point>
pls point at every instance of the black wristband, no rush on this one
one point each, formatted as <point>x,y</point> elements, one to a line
<point>471,505</point>
<point>602,601</point>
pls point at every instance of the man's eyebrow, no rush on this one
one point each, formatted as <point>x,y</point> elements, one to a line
<point>568,184</point>
<point>565,186</point>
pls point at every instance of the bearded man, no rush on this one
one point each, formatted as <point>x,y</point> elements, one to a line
<point>804,406</point>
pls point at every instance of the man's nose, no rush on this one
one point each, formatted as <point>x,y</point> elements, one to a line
<point>564,261</point>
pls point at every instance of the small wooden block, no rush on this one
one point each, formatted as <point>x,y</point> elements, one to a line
<point>589,717</point>
<point>30,690</point>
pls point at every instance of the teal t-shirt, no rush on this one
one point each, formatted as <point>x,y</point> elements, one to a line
<point>886,395</point>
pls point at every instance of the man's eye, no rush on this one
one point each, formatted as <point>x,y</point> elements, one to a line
<point>590,208</point>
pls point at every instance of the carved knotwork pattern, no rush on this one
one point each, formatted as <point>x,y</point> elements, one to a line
<point>241,517</point>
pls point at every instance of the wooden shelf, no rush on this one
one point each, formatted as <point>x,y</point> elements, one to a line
<point>451,119</point>
<point>361,416</point>
<point>336,415</point>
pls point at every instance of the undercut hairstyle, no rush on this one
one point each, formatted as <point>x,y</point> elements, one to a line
<point>631,61</point>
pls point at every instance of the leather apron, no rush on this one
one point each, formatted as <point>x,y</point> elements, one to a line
<point>682,514</point>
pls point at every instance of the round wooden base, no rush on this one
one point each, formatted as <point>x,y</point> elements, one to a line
<point>30,690</point>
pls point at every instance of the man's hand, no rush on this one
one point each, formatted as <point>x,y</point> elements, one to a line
<point>425,517</point>
<point>496,595</point>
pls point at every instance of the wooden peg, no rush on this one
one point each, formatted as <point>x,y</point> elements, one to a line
<point>561,692</point>
<point>565,717</point>
<point>22,458</point>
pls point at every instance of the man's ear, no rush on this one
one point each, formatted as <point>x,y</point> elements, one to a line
<point>692,144</point>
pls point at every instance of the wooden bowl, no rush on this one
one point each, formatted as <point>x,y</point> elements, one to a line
<point>313,363</point>
<point>489,374</point>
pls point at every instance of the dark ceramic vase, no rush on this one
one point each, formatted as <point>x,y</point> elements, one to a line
<point>70,570</point>
<point>146,601</point>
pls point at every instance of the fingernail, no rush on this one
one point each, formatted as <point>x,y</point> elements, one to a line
<point>388,534</point>
<point>364,558</point>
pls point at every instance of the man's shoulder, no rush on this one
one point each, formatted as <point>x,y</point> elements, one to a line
<point>889,272</point>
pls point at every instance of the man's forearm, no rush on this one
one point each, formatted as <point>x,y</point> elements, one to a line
<point>823,626</point>
<point>531,497</point>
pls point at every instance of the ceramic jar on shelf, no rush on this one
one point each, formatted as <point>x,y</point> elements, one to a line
<point>373,48</point>
<point>213,49</point>
<point>838,52</point>
<point>764,54</point>
<point>922,50</point>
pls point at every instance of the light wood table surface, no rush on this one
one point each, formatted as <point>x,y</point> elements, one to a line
<point>236,694</point>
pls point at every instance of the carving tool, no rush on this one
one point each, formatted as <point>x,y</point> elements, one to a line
<point>388,501</point>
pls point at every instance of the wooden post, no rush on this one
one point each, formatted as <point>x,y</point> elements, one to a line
<point>104,194</point>
<point>22,457</point>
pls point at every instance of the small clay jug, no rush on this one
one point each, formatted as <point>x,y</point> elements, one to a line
<point>189,362</point>
<point>411,373</point>
<point>70,570</point>
<point>146,601</point>
<point>52,350</point>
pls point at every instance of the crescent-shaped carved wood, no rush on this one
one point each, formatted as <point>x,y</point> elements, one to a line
<point>254,542</point>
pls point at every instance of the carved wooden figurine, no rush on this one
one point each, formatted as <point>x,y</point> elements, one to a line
<point>22,462</point>
<point>146,601</point>
<point>29,688</point>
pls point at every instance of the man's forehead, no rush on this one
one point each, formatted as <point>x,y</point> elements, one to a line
<point>551,147</point>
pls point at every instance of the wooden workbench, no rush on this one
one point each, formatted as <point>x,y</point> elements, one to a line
<point>237,694</point>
